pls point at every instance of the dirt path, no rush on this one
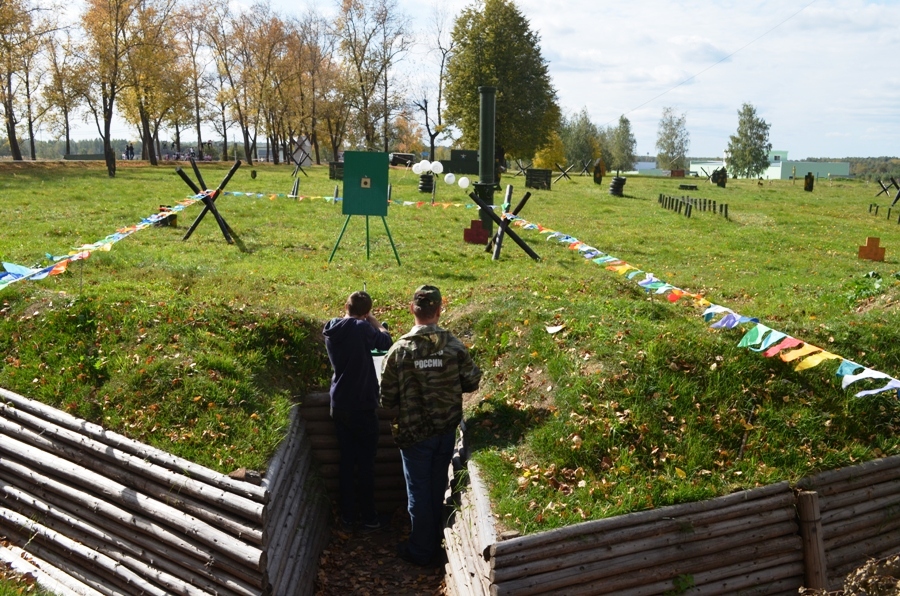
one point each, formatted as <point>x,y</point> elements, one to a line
<point>368,565</point>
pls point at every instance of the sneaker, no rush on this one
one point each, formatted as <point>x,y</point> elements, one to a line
<point>403,553</point>
<point>371,526</point>
<point>346,525</point>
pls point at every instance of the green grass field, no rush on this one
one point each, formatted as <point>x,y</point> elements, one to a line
<point>200,347</point>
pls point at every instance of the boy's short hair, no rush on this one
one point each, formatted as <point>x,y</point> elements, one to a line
<point>359,304</point>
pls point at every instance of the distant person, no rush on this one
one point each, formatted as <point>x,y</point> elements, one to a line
<point>424,376</point>
<point>354,402</point>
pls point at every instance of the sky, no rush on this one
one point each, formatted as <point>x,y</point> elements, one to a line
<point>823,73</point>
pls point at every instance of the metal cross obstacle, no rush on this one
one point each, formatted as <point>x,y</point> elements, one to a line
<point>565,172</point>
<point>208,197</point>
<point>586,167</point>
<point>496,242</point>
<point>504,225</point>
<point>298,163</point>
<point>522,167</point>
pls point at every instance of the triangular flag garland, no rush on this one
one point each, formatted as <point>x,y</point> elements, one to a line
<point>759,338</point>
<point>15,273</point>
<point>770,341</point>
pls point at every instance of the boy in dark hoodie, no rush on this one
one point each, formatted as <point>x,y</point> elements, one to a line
<point>354,400</point>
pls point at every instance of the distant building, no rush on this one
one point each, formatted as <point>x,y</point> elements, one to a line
<point>781,168</point>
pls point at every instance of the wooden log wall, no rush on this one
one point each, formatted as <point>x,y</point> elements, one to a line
<point>91,512</point>
<point>860,513</point>
<point>390,487</point>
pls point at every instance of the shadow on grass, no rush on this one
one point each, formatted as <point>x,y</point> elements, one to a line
<point>502,424</point>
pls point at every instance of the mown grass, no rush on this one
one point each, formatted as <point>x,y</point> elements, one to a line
<point>200,347</point>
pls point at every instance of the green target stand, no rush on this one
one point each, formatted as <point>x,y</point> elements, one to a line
<point>365,192</point>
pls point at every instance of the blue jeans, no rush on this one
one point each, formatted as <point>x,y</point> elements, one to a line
<point>426,467</point>
<point>357,434</point>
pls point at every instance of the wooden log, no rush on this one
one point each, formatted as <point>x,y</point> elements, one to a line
<point>287,450</point>
<point>469,558</point>
<point>390,469</point>
<point>104,585</point>
<point>326,428</point>
<point>815,571</point>
<point>309,546</point>
<point>284,506</point>
<point>158,541</point>
<point>484,517</point>
<point>136,448</point>
<point>860,495</point>
<point>315,399</point>
<point>480,572</point>
<point>80,555</point>
<point>777,507</point>
<point>857,528</point>
<point>755,543</point>
<point>281,455</point>
<point>292,515</point>
<point>838,515</point>
<point>391,485</point>
<point>116,547</point>
<point>876,476</point>
<point>164,485</point>
<point>604,525</point>
<point>115,560</point>
<point>47,576</point>
<point>115,519</point>
<point>859,552</point>
<point>459,582</point>
<point>624,545</point>
<point>822,481</point>
<point>382,455</point>
<point>330,442</point>
<point>707,573</point>
<point>114,492</point>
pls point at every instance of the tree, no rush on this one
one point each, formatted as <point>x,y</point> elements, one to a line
<point>748,150</point>
<point>496,47</point>
<point>580,138</point>
<point>65,90</point>
<point>20,33</point>
<point>622,146</point>
<point>442,46</point>
<point>551,154</point>
<point>108,38</point>
<point>372,35</point>
<point>672,141</point>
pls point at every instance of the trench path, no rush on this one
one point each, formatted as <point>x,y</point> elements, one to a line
<point>368,565</point>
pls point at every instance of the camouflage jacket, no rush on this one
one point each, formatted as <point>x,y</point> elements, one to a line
<point>424,375</point>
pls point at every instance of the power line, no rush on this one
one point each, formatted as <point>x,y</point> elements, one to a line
<point>694,76</point>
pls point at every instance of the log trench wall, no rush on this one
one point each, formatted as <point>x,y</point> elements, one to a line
<point>744,543</point>
<point>390,487</point>
<point>91,512</point>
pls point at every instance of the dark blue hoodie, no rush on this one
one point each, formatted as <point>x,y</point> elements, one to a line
<point>350,342</point>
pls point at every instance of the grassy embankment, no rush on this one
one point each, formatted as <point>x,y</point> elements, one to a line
<point>199,347</point>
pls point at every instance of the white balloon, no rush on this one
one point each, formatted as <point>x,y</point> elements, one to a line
<point>425,165</point>
<point>437,167</point>
<point>450,178</point>
<point>464,182</point>
<point>417,168</point>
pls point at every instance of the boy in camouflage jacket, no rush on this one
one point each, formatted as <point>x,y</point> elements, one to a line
<point>424,376</point>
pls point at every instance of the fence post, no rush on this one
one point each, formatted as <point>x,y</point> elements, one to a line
<point>814,568</point>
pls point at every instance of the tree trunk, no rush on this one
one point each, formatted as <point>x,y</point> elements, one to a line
<point>146,136</point>
<point>14,148</point>
<point>108,153</point>
<point>67,129</point>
